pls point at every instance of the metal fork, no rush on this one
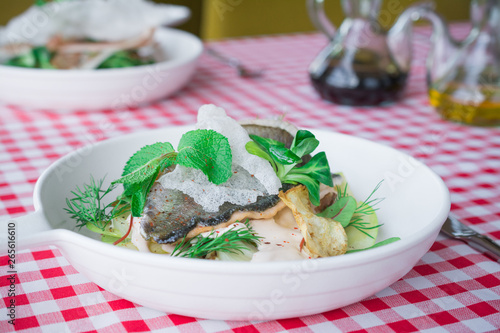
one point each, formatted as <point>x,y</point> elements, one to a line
<point>456,229</point>
<point>241,69</point>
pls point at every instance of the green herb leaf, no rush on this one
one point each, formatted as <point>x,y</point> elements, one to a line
<point>341,210</point>
<point>283,155</point>
<point>141,171</point>
<point>232,241</point>
<point>145,162</point>
<point>265,143</point>
<point>311,184</point>
<point>24,60</point>
<point>125,58</point>
<point>317,168</point>
<point>384,242</point>
<point>304,143</point>
<point>37,57</point>
<point>284,161</point>
<point>43,56</point>
<point>87,206</point>
<point>367,207</point>
<point>201,149</point>
<point>255,149</point>
<point>207,151</point>
<point>139,193</point>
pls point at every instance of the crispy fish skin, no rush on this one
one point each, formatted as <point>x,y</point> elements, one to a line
<point>170,215</point>
<point>323,237</point>
<point>277,130</point>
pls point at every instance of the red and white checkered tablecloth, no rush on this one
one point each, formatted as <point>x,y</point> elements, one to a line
<point>453,288</point>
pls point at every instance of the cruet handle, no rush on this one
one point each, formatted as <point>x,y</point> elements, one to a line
<point>318,17</point>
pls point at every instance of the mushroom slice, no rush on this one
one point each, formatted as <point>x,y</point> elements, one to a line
<point>323,237</point>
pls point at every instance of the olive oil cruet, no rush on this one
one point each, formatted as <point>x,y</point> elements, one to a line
<point>363,64</point>
<point>464,76</point>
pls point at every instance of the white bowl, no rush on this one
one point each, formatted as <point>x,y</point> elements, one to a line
<point>65,90</point>
<point>416,205</point>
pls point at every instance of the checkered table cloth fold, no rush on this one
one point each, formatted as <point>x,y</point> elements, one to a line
<point>452,288</point>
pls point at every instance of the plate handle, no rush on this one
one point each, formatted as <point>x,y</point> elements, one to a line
<point>21,230</point>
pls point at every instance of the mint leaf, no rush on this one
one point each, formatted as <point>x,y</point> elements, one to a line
<point>207,151</point>
<point>146,154</point>
<point>341,210</point>
<point>146,162</point>
<point>139,193</point>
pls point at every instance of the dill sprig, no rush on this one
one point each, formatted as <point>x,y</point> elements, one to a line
<point>233,241</point>
<point>87,205</point>
<point>367,207</point>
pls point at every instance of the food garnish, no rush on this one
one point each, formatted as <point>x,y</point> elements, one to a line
<point>170,221</point>
<point>205,150</point>
<point>350,213</point>
<point>234,241</point>
<point>358,218</point>
<point>201,149</point>
<point>285,161</point>
<point>87,207</point>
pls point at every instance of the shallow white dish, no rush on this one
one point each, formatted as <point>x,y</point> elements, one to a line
<point>415,206</point>
<point>66,90</point>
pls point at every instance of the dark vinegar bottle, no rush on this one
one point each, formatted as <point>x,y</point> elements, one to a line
<point>358,77</point>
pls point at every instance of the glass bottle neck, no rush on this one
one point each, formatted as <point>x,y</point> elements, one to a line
<point>368,9</point>
<point>485,12</point>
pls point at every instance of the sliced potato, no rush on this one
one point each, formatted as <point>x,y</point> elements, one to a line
<point>323,237</point>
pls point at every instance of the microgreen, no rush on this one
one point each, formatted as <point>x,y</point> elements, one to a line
<point>285,161</point>
<point>348,212</point>
<point>233,240</point>
<point>341,210</point>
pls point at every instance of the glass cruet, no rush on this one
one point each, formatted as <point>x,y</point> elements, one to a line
<point>363,64</point>
<point>464,76</point>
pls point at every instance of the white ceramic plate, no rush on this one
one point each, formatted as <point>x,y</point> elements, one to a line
<point>415,206</point>
<point>66,90</point>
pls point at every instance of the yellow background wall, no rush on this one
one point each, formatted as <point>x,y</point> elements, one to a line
<point>213,19</point>
<point>226,18</point>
